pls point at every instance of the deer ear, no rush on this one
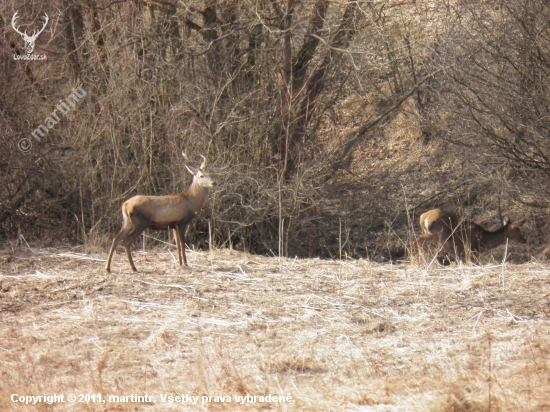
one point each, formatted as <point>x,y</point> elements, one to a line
<point>191,170</point>
<point>521,222</point>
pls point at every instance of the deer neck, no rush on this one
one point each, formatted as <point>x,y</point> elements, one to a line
<point>197,196</point>
<point>491,240</point>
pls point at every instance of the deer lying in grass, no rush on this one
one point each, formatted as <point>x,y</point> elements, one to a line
<point>462,237</point>
<point>163,213</point>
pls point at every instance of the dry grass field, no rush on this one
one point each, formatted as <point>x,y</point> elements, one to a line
<point>324,335</point>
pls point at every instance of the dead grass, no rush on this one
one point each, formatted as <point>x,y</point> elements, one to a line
<point>334,335</point>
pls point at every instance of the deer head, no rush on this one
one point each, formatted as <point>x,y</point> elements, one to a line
<point>29,40</point>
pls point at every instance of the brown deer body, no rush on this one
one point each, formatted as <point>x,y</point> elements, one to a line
<point>162,213</point>
<point>459,237</point>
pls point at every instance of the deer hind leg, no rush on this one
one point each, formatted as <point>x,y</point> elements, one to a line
<point>137,230</point>
<point>419,245</point>
<point>129,256</point>
<point>121,235</point>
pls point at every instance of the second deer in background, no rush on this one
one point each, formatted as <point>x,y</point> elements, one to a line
<point>462,237</point>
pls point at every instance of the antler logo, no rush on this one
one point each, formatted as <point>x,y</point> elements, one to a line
<point>29,40</point>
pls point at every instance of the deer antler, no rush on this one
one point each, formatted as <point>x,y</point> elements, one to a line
<point>37,32</point>
<point>15,17</point>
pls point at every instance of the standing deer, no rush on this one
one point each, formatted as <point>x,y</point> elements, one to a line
<point>459,237</point>
<point>163,213</point>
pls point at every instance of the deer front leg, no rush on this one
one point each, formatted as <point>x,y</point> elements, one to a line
<point>181,234</point>
<point>178,243</point>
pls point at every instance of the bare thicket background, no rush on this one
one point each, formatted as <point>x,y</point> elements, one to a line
<point>329,125</point>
